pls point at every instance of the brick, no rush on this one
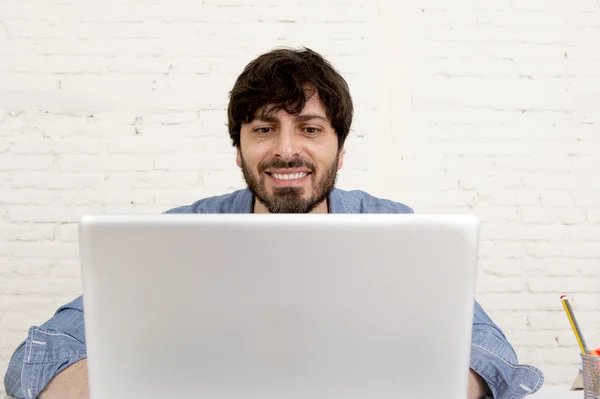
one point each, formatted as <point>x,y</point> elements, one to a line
<point>26,232</point>
<point>445,201</point>
<point>498,250</point>
<point>25,267</point>
<point>593,215</point>
<point>502,267</point>
<point>561,374</point>
<point>44,29</point>
<point>491,180</point>
<point>521,301</point>
<point>123,12</point>
<point>536,162</point>
<point>586,198</point>
<point>20,286</point>
<point>448,18</point>
<point>554,181</point>
<point>520,18</point>
<point>466,5</point>
<point>49,250</point>
<point>61,64</point>
<point>222,181</point>
<point>56,180</point>
<point>151,65</point>
<point>506,231</point>
<point>129,209</point>
<point>180,131</point>
<point>24,214</point>
<point>78,163</point>
<point>4,250</point>
<point>561,216</point>
<point>556,267</point>
<point>556,199</point>
<point>58,146</point>
<point>580,250</point>
<point>583,233</point>
<point>79,197</point>
<point>507,197</point>
<point>24,303</point>
<point>174,199</point>
<point>38,162</point>
<point>195,162</point>
<point>582,20</point>
<point>95,198</point>
<point>588,269</point>
<point>518,320</point>
<point>20,323</point>
<point>67,269</point>
<point>585,164</point>
<point>67,232</point>
<point>506,34</point>
<point>5,145</point>
<point>12,196</point>
<point>545,339</point>
<point>154,146</point>
<point>552,320</point>
<point>129,196</point>
<point>555,5</point>
<point>218,145</point>
<point>149,30</point>
<point>548,355</point>
<point>583,53</point>
<point>170,118</point>
<point>501,284</point>
<point>584,302</point>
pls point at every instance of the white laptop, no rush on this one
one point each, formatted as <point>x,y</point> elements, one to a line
<point>278,306</point>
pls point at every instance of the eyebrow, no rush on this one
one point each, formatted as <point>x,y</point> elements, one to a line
<point>297,118</point>
<point>308,117</point>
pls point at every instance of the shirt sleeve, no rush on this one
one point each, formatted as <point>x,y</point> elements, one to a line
<point>47,350</point>
<point>494,359</point>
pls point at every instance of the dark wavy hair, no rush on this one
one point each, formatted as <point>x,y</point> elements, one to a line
<point>286,79</point>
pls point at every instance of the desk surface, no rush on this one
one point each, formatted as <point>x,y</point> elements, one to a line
<point>544,393</point>
<point>556,394</point>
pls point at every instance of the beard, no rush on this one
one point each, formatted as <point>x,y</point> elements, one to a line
<point>290,199</point>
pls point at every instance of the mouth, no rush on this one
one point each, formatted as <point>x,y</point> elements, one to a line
<point>288,178</point>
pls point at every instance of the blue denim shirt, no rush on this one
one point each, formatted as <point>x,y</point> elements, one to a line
<point>60,342</point>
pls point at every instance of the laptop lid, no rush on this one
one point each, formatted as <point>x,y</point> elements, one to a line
<point>278,306</point>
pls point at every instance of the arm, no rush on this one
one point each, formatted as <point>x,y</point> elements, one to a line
<point>477,386</point>
<point>71,383</point>
<point>495,361</point>
<point>47,351</point>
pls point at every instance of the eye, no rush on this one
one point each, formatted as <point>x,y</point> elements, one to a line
<point>311,130</point>
<point>263,130</point>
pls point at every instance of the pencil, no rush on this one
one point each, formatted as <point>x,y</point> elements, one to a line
<point>574,325</point>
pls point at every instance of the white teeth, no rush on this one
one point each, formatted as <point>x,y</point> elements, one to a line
<point>289,176</point>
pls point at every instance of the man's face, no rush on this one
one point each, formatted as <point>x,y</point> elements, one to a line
<point>290,162</point>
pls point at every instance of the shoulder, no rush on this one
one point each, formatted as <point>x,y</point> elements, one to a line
<point>357,201</point>
<point>226,203</point>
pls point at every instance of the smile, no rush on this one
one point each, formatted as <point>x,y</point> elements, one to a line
<point>289,176</point>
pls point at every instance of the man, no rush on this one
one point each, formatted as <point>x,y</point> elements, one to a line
<point>289,115</point>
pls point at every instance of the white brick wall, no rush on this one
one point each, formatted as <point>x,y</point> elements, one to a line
<point>461,106</point>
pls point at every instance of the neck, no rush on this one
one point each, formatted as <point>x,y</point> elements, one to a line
<point>323,207</point>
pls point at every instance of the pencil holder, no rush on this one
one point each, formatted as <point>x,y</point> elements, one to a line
<point>591,376</point>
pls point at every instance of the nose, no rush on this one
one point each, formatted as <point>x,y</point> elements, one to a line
<point>288,145</point>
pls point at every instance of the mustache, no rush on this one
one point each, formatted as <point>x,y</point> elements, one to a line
<point>278,163</point>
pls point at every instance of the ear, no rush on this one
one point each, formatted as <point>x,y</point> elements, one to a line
<point>238,157</point>
<point>342,152</point>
